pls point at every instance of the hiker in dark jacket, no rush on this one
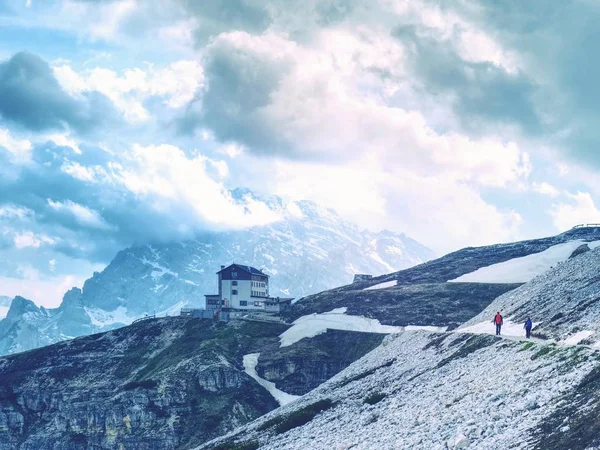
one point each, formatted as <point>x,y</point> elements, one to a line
<point>528,325</point>
<point>499,321</point>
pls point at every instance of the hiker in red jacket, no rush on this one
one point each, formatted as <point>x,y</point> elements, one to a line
<point>499,321</point>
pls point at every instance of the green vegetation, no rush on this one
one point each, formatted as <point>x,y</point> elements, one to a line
<point>527,346</point>
<point>299,417</point>
<point>248,445</point>
<point>545,350</point>
<point>374,398</point>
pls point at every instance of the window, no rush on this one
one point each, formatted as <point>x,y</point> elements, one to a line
<point>233,274</point>
<point>234,292</point>
<point>258,304</point>
<point>234,283</point>
<point>243,303</point>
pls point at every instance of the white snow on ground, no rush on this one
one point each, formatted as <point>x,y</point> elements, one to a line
<point>521,270</point>
<point>494,396</point>
<point>315,324</point>
<point>577,337</point>
<point>101,318</point>
<point>425,328</point>
<point>508,329</point>
<point>3,311</point>
<point>384,285</point>
<point>250,363</point>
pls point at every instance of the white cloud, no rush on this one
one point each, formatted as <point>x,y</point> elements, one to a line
<point>20,148</point>
<point>231,150</point>
<point>175,184</point>
<point>64,140</point>
<point>82,214</point>
<point>579,209</point>
<point>45,291</point>
<point>108,17</point>
<point>176,83</point>
<point>14,212</point>
<point>320,109</point>
<point>443,213</point>
<point>27,239</point>
<point>545,188</point>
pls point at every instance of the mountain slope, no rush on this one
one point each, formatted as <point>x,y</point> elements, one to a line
<point>158,384</point>
<point>466,388</point>
<point>422,294</point>
<point>309,250</point>
<point>564,302</point>
<point>440,391</point>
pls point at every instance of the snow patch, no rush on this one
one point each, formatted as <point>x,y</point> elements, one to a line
<point>524,269</point>
<point>429,328</point>
<point>375,257</point>
<point>102,318</point>
<point>384,285</point>
<point>314,324</point>
<point>250,363</point>
<point>577,337</point>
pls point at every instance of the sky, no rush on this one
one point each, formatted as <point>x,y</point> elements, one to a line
<point>459,123</point>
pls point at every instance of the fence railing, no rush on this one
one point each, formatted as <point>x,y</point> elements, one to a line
<point>153,316</point>
<point>587,225</point>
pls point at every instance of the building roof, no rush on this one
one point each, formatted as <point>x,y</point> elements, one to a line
<point>251,270</point>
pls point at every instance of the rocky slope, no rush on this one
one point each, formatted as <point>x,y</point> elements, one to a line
<point>465,388</point>
<point>309,250</point>
<point>158,384</point>
<point>442,391</point>
<point>564,302</point>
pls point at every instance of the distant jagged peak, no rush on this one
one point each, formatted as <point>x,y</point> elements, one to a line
<point>21,305</point>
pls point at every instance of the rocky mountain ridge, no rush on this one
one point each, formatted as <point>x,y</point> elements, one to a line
<point>164,277</point>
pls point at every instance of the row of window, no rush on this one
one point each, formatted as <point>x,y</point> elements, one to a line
<point>258,284</point>
<point>245,303</point>
<point>258,294</point>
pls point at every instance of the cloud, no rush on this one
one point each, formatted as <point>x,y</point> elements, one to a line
<point>31,97</point>
<point>28,239</point>
<point>93,203</point>
<point>19,148</point>
<point>377,196</point>
<point>277,98</point>
<point>579,209</point>
<point>83,215</point>
<point>176,84</point>
<point>545,188</point>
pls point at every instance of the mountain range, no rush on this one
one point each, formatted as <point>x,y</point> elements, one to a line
<point>331,378</point>
<point>308,250</point>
